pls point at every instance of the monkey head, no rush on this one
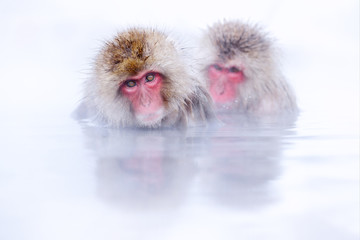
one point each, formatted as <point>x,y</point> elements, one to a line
<point>240,67</point>
<point>141,79</point>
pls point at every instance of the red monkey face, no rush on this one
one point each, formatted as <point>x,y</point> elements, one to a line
<point>144,93</point>
<point>224,82</point>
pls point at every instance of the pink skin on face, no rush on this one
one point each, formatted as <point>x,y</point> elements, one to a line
<point>143,90</point>
<point>224,82</point>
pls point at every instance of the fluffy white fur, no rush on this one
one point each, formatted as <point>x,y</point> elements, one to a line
<point>265,90</point>
<point>187,99</point>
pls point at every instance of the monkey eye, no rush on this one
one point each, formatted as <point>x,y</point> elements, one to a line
<point>130,83</point>
<point>217,67</point>
<point>234,70</point>
<point>150,77</point>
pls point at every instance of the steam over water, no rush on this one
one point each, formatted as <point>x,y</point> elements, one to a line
<point>285,178</point>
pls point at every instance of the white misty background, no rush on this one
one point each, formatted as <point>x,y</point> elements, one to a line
<point>47,176</point>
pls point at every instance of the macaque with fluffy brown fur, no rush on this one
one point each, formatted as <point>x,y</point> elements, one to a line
<point>241,69</point>
<point>141,79</point>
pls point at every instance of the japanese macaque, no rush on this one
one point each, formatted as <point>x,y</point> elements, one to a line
<point>141,79</point>
<point>242,72</point>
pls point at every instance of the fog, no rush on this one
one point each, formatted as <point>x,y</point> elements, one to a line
<point>292,178</point>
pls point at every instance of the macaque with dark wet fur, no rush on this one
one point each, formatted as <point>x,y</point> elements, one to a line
<point>141,79</point>
<point>240,66</point>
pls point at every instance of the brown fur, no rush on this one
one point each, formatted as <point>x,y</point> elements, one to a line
<point>126,54</point>
<point>232,39</point>
<point>131,52</point>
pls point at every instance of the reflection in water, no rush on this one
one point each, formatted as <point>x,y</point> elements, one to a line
<point>229,164</point>
<point>243,157</point>
<point>141,167</point>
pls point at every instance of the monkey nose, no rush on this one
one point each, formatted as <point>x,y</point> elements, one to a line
<point>145,101</point>
<point>220,88</point>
